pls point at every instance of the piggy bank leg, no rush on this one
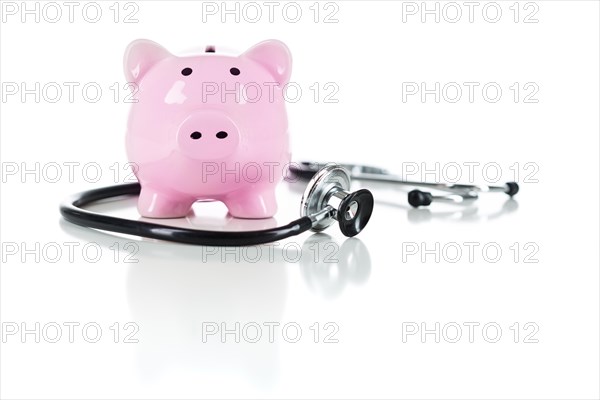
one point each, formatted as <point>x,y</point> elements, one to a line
<point>252,203</point>
<point>155,204</point>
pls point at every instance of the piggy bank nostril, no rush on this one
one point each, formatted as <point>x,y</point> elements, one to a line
<point>196,135</point>
<point>222,135</point>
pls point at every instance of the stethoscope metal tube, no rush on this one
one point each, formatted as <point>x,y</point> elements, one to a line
<point>458,193</point>
<point>394,179</point>
<point>353,213</point>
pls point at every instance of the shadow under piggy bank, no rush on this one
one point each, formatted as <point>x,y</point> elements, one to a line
<point>178,293</point>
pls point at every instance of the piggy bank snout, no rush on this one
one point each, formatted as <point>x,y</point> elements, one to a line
<point>208,135</point>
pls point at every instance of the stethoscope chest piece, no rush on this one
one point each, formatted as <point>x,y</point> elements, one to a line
<point>327,199</point>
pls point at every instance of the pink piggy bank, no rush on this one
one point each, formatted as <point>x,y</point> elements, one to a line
<point>208,127</point>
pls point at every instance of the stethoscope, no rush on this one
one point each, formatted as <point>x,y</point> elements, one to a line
<point>327,199</point>
<point>457,193</point>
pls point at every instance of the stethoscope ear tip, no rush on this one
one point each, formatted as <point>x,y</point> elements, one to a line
<point>417,198</point>
<point>512,188</point>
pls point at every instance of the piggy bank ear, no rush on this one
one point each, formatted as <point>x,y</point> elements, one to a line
<point>275,57</point>
<point>140,56</point>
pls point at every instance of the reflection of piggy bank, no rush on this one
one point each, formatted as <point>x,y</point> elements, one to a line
<point>208,127</point>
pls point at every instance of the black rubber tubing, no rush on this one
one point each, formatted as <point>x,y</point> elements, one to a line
<point>72,210</point>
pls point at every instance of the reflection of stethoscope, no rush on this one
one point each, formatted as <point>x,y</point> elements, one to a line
<point>326,199</point>
<point>456,193</point>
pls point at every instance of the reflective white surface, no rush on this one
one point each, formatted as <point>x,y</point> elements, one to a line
<point>364,296</point>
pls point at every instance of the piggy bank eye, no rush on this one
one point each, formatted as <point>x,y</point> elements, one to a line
<point>234,71</point>
<point>186,71</point>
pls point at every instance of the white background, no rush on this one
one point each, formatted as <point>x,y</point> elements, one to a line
<point>377,288</point>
